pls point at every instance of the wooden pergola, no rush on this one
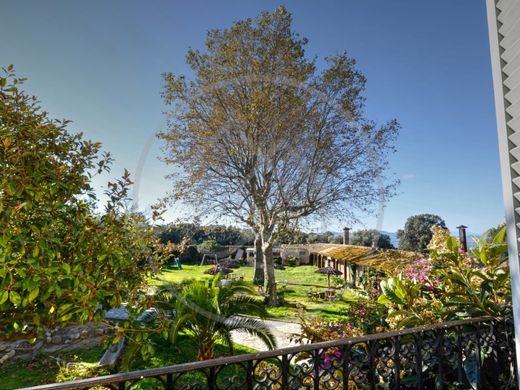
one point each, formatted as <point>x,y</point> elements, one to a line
<point>353,261</point>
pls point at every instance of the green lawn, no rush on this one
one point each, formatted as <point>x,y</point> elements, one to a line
<point>51,368</point>
<point>293,282</point>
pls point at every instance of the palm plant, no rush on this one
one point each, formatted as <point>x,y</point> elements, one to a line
<point>208,310</point>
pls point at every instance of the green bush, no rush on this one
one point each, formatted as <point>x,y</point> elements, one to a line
<point>209,247</point>
<point>60,261</point>
<point>190,255</point>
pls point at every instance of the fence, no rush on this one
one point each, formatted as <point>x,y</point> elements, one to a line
<point>475,353</point>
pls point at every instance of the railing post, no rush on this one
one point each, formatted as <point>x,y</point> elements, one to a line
<point>346,364</point>
<point>479,360</point>
<point>316,369</point>
<point>211,379</point>
<point>285,372</point>
<point>397,362</point>
<point>440,373</point>
<point>460,369</point>
<point>169,381</point>
<point>372,372</point>
<point>418,359</point>
<point>250,375</point>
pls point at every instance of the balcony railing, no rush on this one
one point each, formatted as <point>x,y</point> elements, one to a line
<point>475,353</point>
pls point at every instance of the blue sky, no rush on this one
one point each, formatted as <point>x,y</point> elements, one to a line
<point>99,63</point>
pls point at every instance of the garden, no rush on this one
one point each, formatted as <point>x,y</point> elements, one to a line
<point>69,256</point>
<point>294,285</point>
<point>448,284</point>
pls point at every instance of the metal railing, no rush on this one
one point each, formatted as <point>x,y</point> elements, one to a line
<point>475,353</point>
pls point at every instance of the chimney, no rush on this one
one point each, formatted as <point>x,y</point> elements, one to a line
<point>462,238</point>
<point>346,235</point>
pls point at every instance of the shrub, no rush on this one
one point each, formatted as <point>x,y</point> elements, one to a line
<point>61,262</point>
<point>190,255</point>
<point>209,246</point>
<point>451,284</point>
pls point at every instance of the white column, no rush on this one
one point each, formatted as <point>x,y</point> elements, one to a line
<point>504,38</point>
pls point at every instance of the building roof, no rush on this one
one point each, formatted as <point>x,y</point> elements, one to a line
<point>389,260</point>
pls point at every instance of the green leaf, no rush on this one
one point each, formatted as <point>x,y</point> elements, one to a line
<point>33,294</point>
<point>4,295</point>
<point>15,298</point>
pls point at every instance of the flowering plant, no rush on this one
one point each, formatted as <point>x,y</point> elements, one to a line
<point>477,283</point>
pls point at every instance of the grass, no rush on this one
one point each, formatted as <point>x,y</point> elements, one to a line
<point>57,367</point>
<point>293,282</point>
<point>46,368</point>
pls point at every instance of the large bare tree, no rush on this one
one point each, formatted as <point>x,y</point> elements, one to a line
<point>261,134</point>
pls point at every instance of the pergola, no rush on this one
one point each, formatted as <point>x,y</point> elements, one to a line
<point>354,260</point>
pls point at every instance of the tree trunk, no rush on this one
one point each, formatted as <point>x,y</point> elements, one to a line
<point>269,280</point>
<point>259,260</point>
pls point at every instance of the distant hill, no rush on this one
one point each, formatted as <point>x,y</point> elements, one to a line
<point>395,241</point>
<point>455,233</point>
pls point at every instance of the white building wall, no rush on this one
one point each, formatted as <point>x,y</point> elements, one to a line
<point>504,37</point>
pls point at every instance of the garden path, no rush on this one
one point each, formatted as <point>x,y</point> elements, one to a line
<point>282,330</point>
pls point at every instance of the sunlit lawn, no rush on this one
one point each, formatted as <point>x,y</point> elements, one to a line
<point>294,282</point>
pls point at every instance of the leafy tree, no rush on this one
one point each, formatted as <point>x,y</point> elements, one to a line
<point>59,261</point>
<point>208,310</point>
<point>259,134</point>
<point>190,255</point>
<point>417,231</point>
<point>368,237</point>
<point>209,246</point>
<point>195,233</point>
<point>335,239</point>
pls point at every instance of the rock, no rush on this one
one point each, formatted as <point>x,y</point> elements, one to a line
<point>84,334</point>
<point>112,354</point>
<point>48,339</point>
<point>100,332</point>
<point>119,314</point>
<point>7,356</point>
<point>56,339</point>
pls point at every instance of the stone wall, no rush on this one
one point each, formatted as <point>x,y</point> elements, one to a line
<point>59,339</point>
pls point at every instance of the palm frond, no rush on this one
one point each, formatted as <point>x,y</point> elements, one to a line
<point>253,327</point>
<point>180,323</point>
<point>245,304</point>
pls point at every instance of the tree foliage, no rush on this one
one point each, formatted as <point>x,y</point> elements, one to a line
<point>369,237</point>
<point>417,232</point>
<point>209,246</point>
<point>260,134</point>
<point>59,261</point>
<point>195,233</point>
